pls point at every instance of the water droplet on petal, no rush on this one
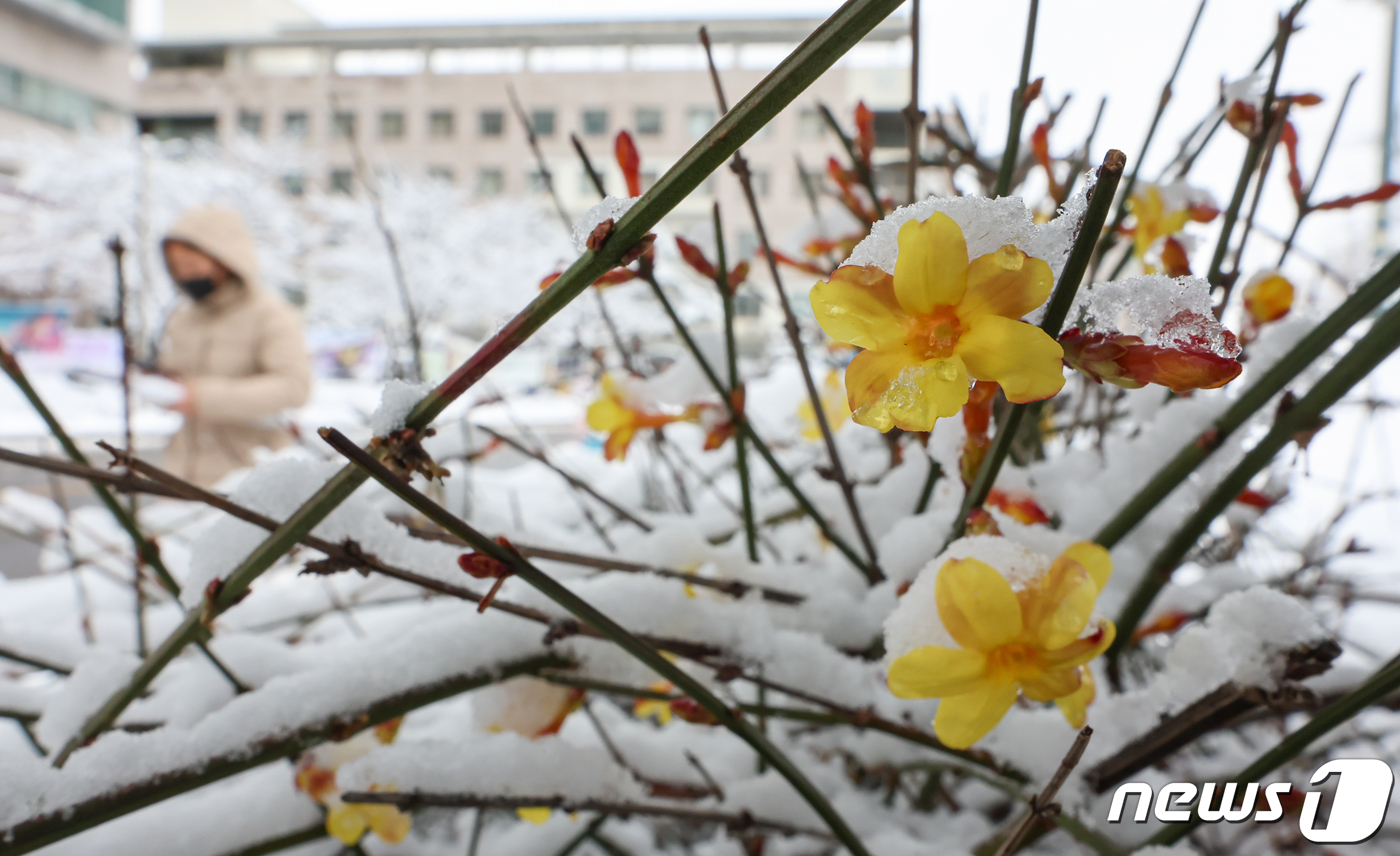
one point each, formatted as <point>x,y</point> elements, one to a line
<point>945,370</point>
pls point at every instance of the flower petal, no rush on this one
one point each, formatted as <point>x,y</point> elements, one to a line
<point>976,604</point>
<point>857,306</point>
<point>387,822</point>
<point>1056,607</point>
<point>1020,357</point>
<point>1095,559</point>
<point>888,389</point>
<point>615,448</point>
<point>964,719</point>
<point>931,268</point>
<point>1081,651</point>
<point>606,414</point>
<point>1007,282</point>
<point>345,823</point>
<point>934,672</point>
<point>1075,706</point>
<point>1051,684</point>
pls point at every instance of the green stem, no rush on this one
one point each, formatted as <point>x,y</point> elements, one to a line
<point>867,178</point>
<point>746,430</point>
<point>1382,683</point>
<point>1361,303</point>
<point>731,349</point>
<point>1252,156</point>
<point>311,833</point>
<point>819,52</point>
<point>1368,352</point>
<point>1162,102</point>
<point>1078,262</point>
<point>587,613</point>
<point>146,550</point>
<point>1018,107</point>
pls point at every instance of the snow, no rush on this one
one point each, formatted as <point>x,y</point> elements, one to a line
<point>987,225</point>
<point>397,401</point>
<point>611,208</point>
<point>1161,310</point>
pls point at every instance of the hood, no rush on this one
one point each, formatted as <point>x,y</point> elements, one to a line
<point>221,233</point>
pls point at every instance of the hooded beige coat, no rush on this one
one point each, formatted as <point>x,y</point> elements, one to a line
<point>240,351</point>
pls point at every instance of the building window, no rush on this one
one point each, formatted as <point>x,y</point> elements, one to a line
<point>648,120</point>
<point>493,123</point>
<point>761,182</point>
<point>343,125</point>
<point>698,121</point>
<point>586,186</point>
<point>648,179</point>
<point>441,173</point>
<point>707,187</point>
<point>891,129</point>
<point>295,124</point>
<point>748,243</point>
<point>440,124</point>
<point>542,121</point>
<point>535,182</point>
<point>250,122</point>
<point>490,182</point>
<point>294,183</point>
<point>391,125</point>
<point>595,122</point>
<point>810,124</point>
<point>342,181</point>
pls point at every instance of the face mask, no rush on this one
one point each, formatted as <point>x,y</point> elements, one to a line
<point>197,289</point>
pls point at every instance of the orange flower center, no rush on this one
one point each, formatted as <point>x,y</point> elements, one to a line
<point>933,336</point>
<point>1014,661</point>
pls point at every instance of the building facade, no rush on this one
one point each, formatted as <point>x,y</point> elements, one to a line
<point>439,102</point>
<point>64,65</point>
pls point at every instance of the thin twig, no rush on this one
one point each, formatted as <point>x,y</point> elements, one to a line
<point>545,175</point>
<point>1303,203</point>
<point>734,822</point>
<point>1162,102</point>
<point>577,483</point>
<point>1043,805</point>
<point>913,116</point>
<point>1253,153</point>
<point>731,348</point>
<point>740,167</point>
<point>1018,107</point>
<point>391,244</point>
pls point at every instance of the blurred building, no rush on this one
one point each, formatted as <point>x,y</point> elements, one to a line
<point>64,64</point>
<point>436,100</point>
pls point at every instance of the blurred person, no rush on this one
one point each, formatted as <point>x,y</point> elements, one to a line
<point>236,348</point>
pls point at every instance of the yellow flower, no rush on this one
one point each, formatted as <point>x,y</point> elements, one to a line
<point>612,414</point>
<point>937,321</point>
<point>645,707</point>
<point>1028,641</point>
<point>1268,297</point>
<point>1154,221</point>
<point>834,406</point>
<point>535,814</point>
<point>347,822</point>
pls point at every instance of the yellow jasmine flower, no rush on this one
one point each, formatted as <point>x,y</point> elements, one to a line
<point>1154,220</point>
<point>1029,641</point>
<point>535,814</point>
<point>938,321</point>
<point>615,415</point>
<point>651,707</point>
<point>834,405</point>
<point>1268,296</point>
